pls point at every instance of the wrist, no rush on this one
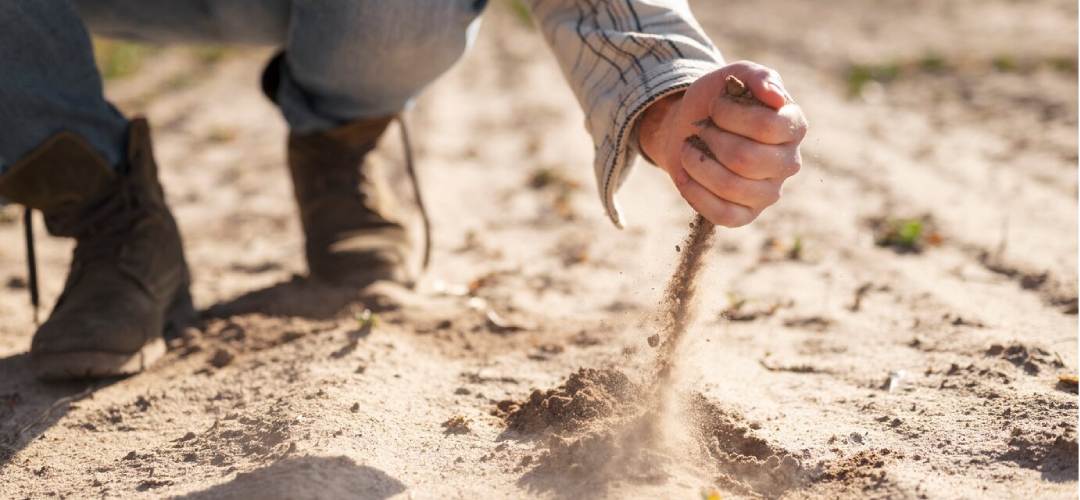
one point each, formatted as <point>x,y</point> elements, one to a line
<point>652,125</point>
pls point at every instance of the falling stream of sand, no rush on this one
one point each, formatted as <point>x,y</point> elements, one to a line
<point>669,426</point>
<point>677,306</point>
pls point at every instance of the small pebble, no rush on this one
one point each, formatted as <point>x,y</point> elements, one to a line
<point>221,358</point>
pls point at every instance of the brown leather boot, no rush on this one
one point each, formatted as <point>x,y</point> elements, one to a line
<point>128,277</point>
<point>354,227</point>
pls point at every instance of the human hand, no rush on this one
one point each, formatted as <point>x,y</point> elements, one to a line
<point>754,148</point>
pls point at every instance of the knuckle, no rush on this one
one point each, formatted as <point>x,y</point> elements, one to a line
<point>800,129</point>
<point>793,166</point>
<point>799,125</point>
<point>765,196</point>
<point>730,215</point>
<point>772,197</point>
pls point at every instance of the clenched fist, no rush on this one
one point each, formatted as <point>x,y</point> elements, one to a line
<point>756,147</point>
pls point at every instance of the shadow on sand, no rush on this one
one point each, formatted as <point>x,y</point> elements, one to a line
<point>298,478</point>
<point>28,407</point>
<point>298,297</point>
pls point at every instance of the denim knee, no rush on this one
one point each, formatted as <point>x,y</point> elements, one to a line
<point>348,59</point>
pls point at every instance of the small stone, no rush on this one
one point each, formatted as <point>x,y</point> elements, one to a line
<point>221,358</point>
<point>734,86</point>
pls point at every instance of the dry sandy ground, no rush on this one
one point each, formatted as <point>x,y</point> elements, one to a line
<point>286,394</point>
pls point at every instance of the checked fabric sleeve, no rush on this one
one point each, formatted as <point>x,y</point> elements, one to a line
<point>619,56</point>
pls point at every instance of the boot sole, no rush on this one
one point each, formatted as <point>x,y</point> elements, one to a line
<point>101,364</point>
<point>95,364</point>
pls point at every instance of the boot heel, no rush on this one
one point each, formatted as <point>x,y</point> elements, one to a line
<point>181,313</point>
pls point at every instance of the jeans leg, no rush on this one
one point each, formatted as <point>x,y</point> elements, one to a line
<point>170,21</point>
<point>350,59</point>
<point>50,82</point>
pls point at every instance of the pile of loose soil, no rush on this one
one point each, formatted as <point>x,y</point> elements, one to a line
<point>747,462</point>
<point>603,428</point>
<point>600,429</point>
<point>587,395</point>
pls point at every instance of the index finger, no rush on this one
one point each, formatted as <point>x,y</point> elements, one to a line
<point>759,123</point>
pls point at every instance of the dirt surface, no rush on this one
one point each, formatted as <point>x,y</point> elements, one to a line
<point>901,325</point>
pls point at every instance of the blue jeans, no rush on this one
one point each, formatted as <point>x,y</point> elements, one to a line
<point>344,59</point>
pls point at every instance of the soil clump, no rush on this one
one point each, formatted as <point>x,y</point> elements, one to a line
<point>587,395</point>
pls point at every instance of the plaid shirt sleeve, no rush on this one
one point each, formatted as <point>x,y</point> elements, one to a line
<point>620,56</point>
